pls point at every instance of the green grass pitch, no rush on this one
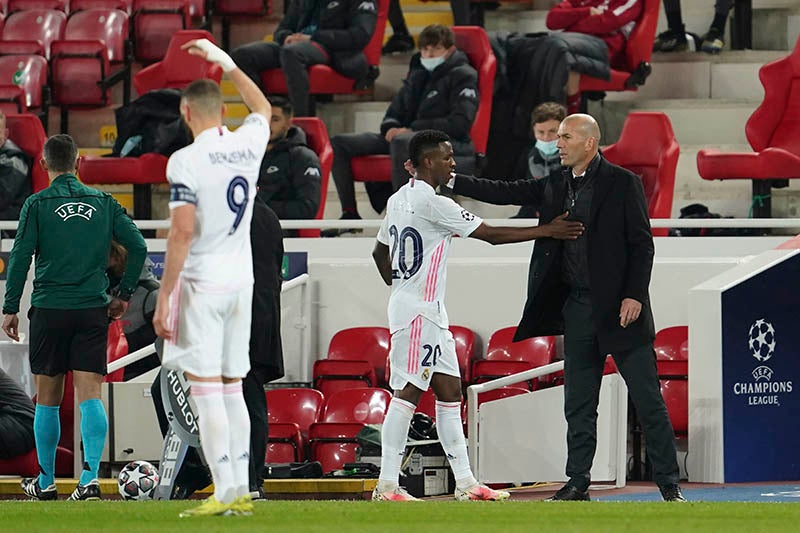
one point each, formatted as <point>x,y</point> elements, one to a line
<point>363,516</point>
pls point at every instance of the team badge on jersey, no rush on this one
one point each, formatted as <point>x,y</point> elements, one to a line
<point>426,373</point>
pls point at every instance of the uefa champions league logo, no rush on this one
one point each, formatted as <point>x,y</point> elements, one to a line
<point>761,340</point>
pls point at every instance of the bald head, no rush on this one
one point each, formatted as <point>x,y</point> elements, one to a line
<point>578,141</point>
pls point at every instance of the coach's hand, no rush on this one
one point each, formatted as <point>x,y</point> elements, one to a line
<point>629,312</point>
<point>11,326</point>
<point>161,316</point>
<point>117,308</point>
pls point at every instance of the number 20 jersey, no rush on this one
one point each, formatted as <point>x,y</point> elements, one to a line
<point>418,227</point>
<point>218,173</point>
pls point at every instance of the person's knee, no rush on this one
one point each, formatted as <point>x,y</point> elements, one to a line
<point>291,54</point>
<point>409,393</point>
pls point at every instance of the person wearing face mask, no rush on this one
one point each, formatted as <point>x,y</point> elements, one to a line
<point>440,92</point>
<point>542,158</point>
<point>290,177</point>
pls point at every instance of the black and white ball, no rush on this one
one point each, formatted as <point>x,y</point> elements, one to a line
<point>138,481</point>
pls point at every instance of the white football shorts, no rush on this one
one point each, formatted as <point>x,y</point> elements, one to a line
<point>418,352</point>
<point>211,332</point>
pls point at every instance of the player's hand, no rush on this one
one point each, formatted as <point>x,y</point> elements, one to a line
<point>161,316</point>
<point>11,326</point>
<point>210,52</point>
<point>117,308</point>
<point>561,228</point>
<point>597,10</point>
<point>629,311</point>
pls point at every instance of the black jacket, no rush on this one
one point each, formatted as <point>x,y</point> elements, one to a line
<point>531,69</point>
<point>16,418</point>
<point>445,99</point>
<point>344,27</point>
<point>290,177</point>
<point>620,253</point>
<point>15,180</point>
<point>266,351</point>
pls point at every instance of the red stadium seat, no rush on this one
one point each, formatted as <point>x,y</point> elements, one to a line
<point>676,396</point>
<point>116,349</point>
<point>672,344</point>
<point>322,79</point>
<point>638,51</point>
<point>505,357</point>
<point>427,404</point>
<point>331,376</point>
<point>30,93</point>
<point>27,5</point>
<point>154,23</point>
<point>93,56</point>
<point>228,9</point>
<point>178,68</point>
<point>466,349</point>
<point>318,140</point>
<point>647,147</point>
<point>300,406</point>
<point>27,132</point>
<point>334,444</point>
<point>473,41</point>
<point>285,444</point>
<point>363,344</point>
<point>361,405</point>
<point>773,131</point>
<point>34,30</point>
<point>80,5</point>
<point>142,172</point>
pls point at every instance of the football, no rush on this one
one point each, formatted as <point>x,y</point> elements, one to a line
<point>137,481</point>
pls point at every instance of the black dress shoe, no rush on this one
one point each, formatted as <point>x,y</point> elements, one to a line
<point>672,493</point>
<point>569,493</point>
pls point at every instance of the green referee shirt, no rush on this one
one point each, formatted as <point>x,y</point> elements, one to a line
<point>69,227</point>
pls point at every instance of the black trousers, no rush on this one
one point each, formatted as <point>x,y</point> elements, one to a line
<point>350,145</point>
<point>294,59</point>
<point>16,434</point>
<point>583,372</point>
<point>193,472</point>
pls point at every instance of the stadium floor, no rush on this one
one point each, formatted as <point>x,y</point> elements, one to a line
<point>358,489</point>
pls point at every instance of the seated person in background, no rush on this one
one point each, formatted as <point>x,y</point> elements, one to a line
<point>290,177</point>
<point>610,20</point>
<point>16,419</point>
<point>543,157</point>
<point>137,322</point>
<point>15,176</point>
<point>440,92</point>
<point>313,32</point>
<point>674,39</point>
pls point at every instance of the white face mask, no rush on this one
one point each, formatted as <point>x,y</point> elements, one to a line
<point>430,63</point>
<point>547,148</point>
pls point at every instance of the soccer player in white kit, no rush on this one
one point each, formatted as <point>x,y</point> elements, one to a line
<point>204,306</point>
<point>411,256</point>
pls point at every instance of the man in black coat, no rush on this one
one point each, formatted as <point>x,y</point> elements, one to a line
<point>290,177</point>
<point>440,92</point>
<point>266,355</point>
<point>594,290</point>
<point>16,419</point>
<point>313,32</point>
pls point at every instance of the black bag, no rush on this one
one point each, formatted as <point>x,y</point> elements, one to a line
<point>306,470</point>
<point>152,123</point>
<point>701,211</point>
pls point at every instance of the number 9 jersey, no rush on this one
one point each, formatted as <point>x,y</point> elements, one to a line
<point>418,227</point>
<point>218,173</point>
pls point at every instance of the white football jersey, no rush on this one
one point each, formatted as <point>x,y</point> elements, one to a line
<point>218,173</point>
<point>418,227</point>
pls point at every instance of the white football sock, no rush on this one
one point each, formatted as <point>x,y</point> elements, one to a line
<point>214,436</point>
<point>239,423</point>
<point>451,435</point>
<point>393,442</point>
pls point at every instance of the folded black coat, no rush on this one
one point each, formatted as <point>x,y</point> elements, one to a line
<point>532,69</point>
<point>156,117</point>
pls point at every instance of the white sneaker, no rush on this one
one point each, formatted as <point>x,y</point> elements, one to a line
<point>398,494</point>
<point>481,492</point>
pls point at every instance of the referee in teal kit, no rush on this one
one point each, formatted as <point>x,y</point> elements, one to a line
<point>69,227</point>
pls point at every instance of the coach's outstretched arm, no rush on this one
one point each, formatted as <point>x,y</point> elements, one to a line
<point>253,98</point>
